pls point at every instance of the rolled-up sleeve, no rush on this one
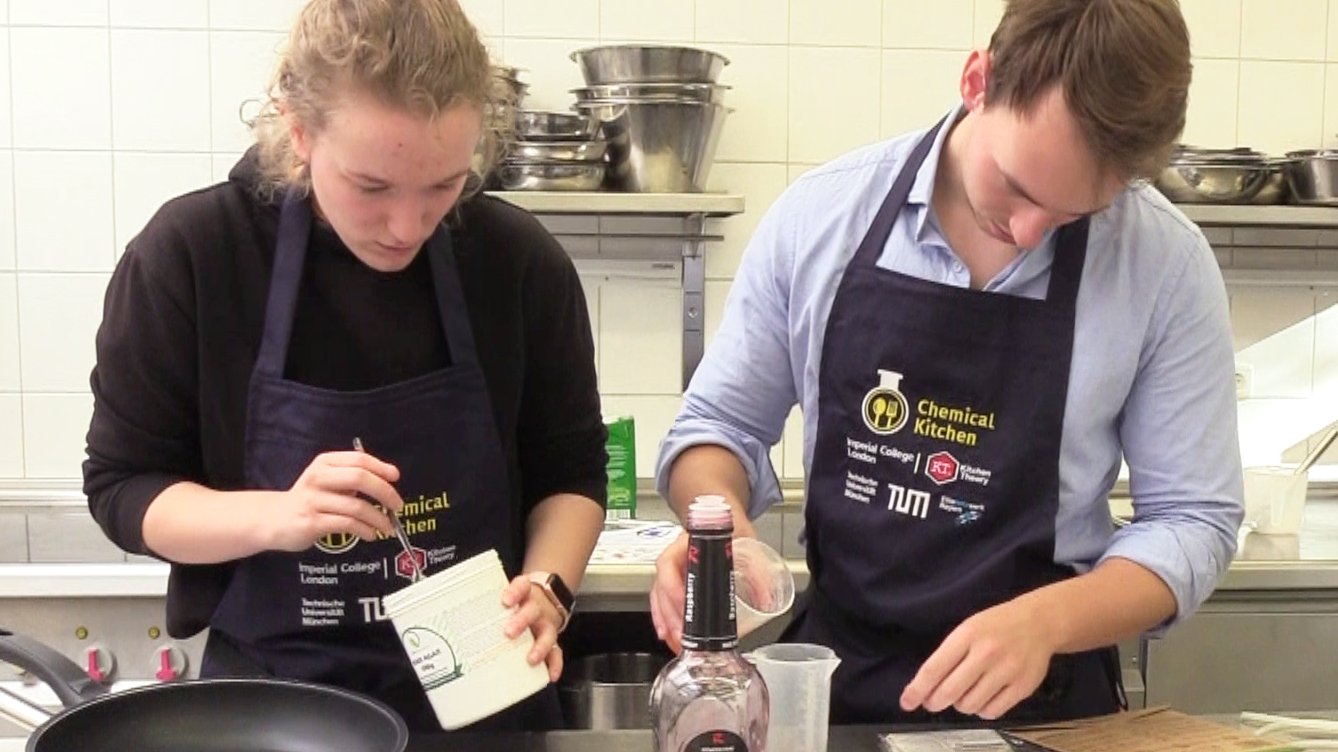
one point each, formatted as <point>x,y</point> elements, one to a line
<point>1180,439</point>
<point>742,391</point>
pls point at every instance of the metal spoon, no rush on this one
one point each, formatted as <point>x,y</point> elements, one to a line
<point>400,534</point>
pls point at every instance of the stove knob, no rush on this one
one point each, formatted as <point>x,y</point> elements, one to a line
<point>99,662</point>
<point>171,662</point>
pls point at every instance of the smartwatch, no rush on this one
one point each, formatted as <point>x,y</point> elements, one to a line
<point>557,593</point>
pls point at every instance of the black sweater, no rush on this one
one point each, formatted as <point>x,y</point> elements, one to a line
<point>182,325</point>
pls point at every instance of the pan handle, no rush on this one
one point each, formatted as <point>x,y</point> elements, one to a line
<point>63,675</point>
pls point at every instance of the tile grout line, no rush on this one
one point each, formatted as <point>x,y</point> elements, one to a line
<point>14,238</point>
<point>111,133</point>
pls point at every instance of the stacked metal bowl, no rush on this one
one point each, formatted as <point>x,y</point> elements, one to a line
<point>499,118</point>
<point>553,151</point>
<point>660,109</point>
<point>1240,175</point>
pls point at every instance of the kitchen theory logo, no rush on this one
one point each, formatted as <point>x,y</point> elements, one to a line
<point>885,408</point>
<point>942,467</point>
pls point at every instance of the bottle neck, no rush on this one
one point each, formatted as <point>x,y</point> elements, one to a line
<point>709,619</point>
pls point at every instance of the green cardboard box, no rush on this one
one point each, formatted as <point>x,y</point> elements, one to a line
<point>621,447</point>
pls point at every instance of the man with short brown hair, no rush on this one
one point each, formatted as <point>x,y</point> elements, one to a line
<point>980,322</point>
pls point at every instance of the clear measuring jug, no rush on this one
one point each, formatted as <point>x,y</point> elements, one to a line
<point>799,681</point>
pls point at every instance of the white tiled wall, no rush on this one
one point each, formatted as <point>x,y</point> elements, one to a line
<point>109,107</point>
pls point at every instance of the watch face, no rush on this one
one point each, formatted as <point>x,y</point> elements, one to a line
<point>564,595</point>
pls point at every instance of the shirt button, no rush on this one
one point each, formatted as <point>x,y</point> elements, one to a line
<point>957,267</point>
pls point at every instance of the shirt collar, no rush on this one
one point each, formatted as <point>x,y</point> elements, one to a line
<point>926,227</point>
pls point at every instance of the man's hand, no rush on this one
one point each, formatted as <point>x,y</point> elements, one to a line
<point>989,663</point>
<point>668,592</point>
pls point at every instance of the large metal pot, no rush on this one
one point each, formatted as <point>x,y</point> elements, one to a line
<point>609,690</point>
<point>1313,176</point>
<point>201,715</point>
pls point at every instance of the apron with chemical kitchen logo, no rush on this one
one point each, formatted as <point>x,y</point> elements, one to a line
<point>935,478</point>
<point>316,615</point>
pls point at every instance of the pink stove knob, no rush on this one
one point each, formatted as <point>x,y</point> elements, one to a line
<point>99,663</point>
<point>171,663</point>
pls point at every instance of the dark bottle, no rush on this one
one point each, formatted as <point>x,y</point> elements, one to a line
<point>709,699</point>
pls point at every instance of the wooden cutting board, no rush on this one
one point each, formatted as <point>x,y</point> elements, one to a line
<point>1158,729</point>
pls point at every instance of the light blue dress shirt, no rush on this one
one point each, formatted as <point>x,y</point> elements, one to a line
<point>1152,380</point>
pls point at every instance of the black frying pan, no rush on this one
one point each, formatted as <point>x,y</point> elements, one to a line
<point>203,715</point>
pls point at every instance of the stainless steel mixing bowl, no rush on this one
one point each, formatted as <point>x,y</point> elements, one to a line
<point>645,63</point>
<point>659,147</point>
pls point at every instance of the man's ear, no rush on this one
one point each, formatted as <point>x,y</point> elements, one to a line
<point>975,76</point>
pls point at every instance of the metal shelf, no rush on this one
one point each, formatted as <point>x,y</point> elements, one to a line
<point>1222,215</point>
<point>693,209</point>
<point>599,202</point>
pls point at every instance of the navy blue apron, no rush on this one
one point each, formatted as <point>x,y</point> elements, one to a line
<point>935,476</point>
<point>316,615</point>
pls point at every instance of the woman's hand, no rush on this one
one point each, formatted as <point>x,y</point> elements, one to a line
<point>324,500</point>
<point>538,614</point>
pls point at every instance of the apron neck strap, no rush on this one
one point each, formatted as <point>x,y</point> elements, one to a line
<point>290,255</point>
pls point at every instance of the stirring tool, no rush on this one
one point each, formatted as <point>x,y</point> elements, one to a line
<point>1317,450</point>
<point>402,536</point>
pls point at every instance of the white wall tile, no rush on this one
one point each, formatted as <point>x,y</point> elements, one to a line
<point>62,13</point>
<point>1274,332</point>
<point>60,88</point>
<point>640,338</point>
<point>223,164</point>
<point>755,131</point>
<point>760,185</point>
<point>1281,105</point>
<point>59,316</point>
<point>11,436</point>
<point>569,19</point>
<point>1213,97</point>
<point>143,182</point>
<point>743,21</point>
<point>934,24</point>
<point>1284,29</point>
<point>75,233</point>
<point>240,65</point>
<point>1332,45</point>
<point>919,87</point>
<point>6,116</point>
<point>1329,135</point>
<point>4,11</point>
<point>654,415</point>
<point>156,106</point>
<point>55,430</point>
<point>1268,426</point>
<point>7,255</point>
<point>795,170</point>
<point>648,20</point>
<point>831,107</point>
<point>1326,347</point>
<point>590,287</point>
<point>550,71</point>
<point>793,463</point>
<point>254,15</point>
<point>160,14</point>
<point>488,16</point>
<point>1214,27</point>
<point>9,334</point>
<point>856,23</point>
<point>988,13</point>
